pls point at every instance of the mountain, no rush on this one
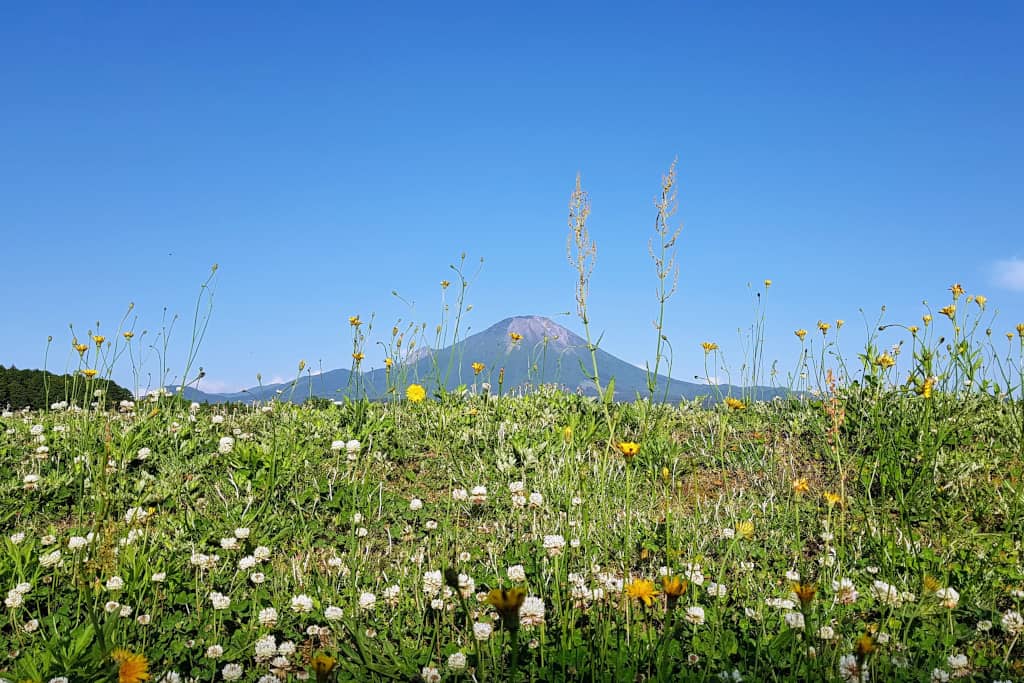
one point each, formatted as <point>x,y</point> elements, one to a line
<point>532,350</point>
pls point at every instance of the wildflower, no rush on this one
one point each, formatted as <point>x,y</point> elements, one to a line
<point>50,559</point>
<point>939,676</point>
<point>536,499</point>
<point>960,665</point>
<point>231,672</point>
<point>457,662</point>
<point>846,592</point>
<point>826,632</point>
<point>745,529</point>
<point>734,403</point>
<point>367,601</point>
<point>804,593</point>
<point>132,667</point>
<point>801,485</point>
<point>795,620</point>
<point>717,590</point>
<point>81,348</point>
<point>981,300</point>
<point>629,448</point>
<point>515,336</point>
<point>478,495</point>
<point>465,585</point>
<point>482,631</point>
<point>388,362</point>
<point>358,356</point>
<point>1020,330</point>
<point>885,361</point>
<point>531,613</point>
<point>415,393</point>
<point>478,368</point>
<point>225,445</point>
<point>824,327</point>
<point>643,590</point>
<point>709,346</point>
<point>957,290</point>
<point>430,674</point>
<point>695,615</point>
<point>302,603</point>
<point>914,329</point>
<point>99,339</point>
<point>554,544</point>
<point>850,670</point>
<point>214,652</point>
<point>832,498</point>
<point>507,603</point>
<point>219,600</point>
<point>865,645</point>
<point>948,597</point>
<point>1012,622</point>
<point>354,321</point>
<point>89,373</point>
<point>673,587</point>
<point>801,333</point>
<point>767,284</point>
<point>840,323</point>
<point>948,311</point>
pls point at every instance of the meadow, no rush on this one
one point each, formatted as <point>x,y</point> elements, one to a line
<point>866,528</point>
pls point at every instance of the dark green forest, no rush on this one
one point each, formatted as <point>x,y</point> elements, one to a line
<point>39,389</point>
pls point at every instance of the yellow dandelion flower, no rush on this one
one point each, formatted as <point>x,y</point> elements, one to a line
<point>957,290</point>
<point>129,334</point>
<point>132,667</point>
<point>865,646</point>
<point>745,529</point>
<point>415,393</point>
<point>804,592</point>
<point>981,300</point>
<point>948,311</point>
<point>567,433</point>
<point>801,333</point>
<point>629,448</point>
<point>507,602</point>
<point>927,319</point>
<point>930,584</point>
<point>840,323</point>
<point>322,665</point>
<point>767,284</point>
<point>444,284</point>
<point>478,368</point>
<point>81,348</point>
<point>673,586</point>
<point>913,330</point>
<point>89,372</point>
<point>358,356</point>
<point>801,485</point>
<point>388,362</point>
<point>928,387</point>
<point>709,346</point>
<point>885,361</point>
<point>1020,330</point>
<point>824,327</point>
<point>734,403</point>
<point>354,321</point>
<point>832,498</point>
<point>515,336</point>
<point>99,339</point>
<point>643,590</point>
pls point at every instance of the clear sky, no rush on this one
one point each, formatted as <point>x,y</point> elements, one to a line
<point>326,154</point>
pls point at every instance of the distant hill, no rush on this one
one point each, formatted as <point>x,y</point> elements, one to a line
<point>546,353</point>
<point>39,389</point>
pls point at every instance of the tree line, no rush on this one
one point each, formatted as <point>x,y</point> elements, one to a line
<point>39,389</point>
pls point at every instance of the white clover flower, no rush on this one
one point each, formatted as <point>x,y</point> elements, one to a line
<point>430,674</point>
<point>48,539</point>
<point>794,620</point>
<point>17,537</point>
<point>517,573</point>
<point>516,487</point>
<point>219,600</point>
<point>460,494</point>
<point>14,600</point>
<point>432,582</point>
<point>430,525</point>
<point>143,453</point>
<point>135,515</point>
<point>226,445</point>
<point>826,633</point>
<point>287,648</point>
<point>31,481</point>
<point>959,664</point>
<point>531,612</point>
<point>793,576</point>
<point>229,543</point>
<point>554,544</point>
<point>415,504</point>
<point>695,615</point>
<point>717,590</point>
<point>77,542</point>
<point>457,662</point>
<point>242,532</point>
<point>214,651</point>
<point>115,583</point>
<point>846,591</point>
<point>217,419</point>
<point>126,611</point>
<point>50,559</point>
<point>111,606</point>
<point>939,676</point>
<point>367,601</point>
<point>352,446</point>
<point>257,577</point>
<point>482,631</point>
<point>143,619</point>
<point>391,594</point>
<point>302,603</point>
<point>261,553</point>
<point>467,586</point>
<point>1012,622</point>
<point>23,588</point>
<point>948,597</point>
<point>536,499</point>
<point>246,563</point>
<point>159,577</point>
<point>693,574</point>
<point>268,617</point>
<point>886,593</point>
<point>231,672</point>
<point>728,533</point>
<point>333,613</point>
<point>984,626</point>
<point>478,495</point>
<point>518,500</point>
<point>337,445</point>
<point>850,670</point>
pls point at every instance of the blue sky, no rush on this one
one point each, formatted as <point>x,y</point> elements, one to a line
<point>326,155</point>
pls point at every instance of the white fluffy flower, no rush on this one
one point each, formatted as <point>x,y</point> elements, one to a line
<point>50,559</point>
<point>795,620</point>
<point>478,495</point>
<point>337,445</point>
<point>531,612</point>
<point>367,601</point>
<point>231,672</point>
<point>554,544</point>
<point>219,600</point>
<point>482,631</point>
<point>415,504</point>
<point>695,615</point>
<point>517,573</point>
<point>214,652</point>
<point>268,616</point>
<point>850,670</point>
<point>948,597</point>
<point>430,674</point>
<point>457,662</point>
<point>846,591</point>
<point>333,613</point>
<point>77,542</point>
<point>302,603</point>
<point>115,583</point>
<point>432,582</point>
<point>226,445</point>
<point>1012,622</point>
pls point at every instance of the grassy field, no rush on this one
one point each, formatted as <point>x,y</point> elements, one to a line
<point>866,531</point>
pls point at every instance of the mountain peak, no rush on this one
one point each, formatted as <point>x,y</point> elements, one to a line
<point>537,329</point>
